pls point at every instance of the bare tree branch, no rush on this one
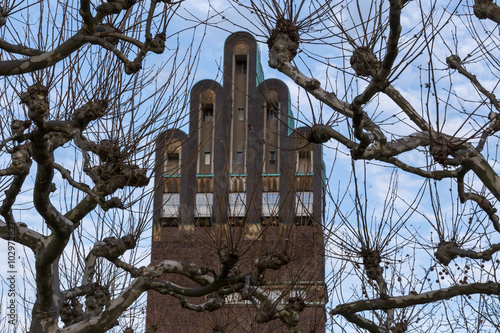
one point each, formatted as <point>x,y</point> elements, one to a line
<point>411,300</point>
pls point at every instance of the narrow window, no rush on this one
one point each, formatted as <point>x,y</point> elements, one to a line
<point>239,157</point>
<point>208,112</point>
<point>272,112</point>
<point>272,157</point>
<point>208,158</point>
<point>304,162</point>
<point>173,157</point>
<point>172,166</point>
<point>241,65</point>
<point>241,114</point>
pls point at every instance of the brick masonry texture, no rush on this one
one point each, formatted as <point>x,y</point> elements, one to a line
<point>302,243</point>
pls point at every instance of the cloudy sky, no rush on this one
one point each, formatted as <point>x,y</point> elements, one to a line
<point>441,95</point>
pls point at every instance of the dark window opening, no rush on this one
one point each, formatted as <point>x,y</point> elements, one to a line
<point>173,166</point>
<point>304,161</point>
<point>241,64</point>
<point>208,112</point>
<point>173,156</point>
<point>305,154</point>
<point>272,157</point>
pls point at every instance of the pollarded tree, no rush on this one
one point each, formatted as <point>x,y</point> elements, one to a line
<point>408,85</point>
<point>77,158</point>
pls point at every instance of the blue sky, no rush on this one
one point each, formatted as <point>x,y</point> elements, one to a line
<point>380,179</point>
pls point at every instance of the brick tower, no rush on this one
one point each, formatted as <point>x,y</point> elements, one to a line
<point>243,178</point>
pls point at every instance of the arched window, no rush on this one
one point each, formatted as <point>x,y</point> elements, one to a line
<point>173,158</point>
<point>272,132</point>
<point>206,132</point>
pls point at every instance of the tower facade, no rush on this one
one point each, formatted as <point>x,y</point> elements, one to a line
<point>245,178</point>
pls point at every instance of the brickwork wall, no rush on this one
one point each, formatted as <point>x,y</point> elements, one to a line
<point>302,243</point>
